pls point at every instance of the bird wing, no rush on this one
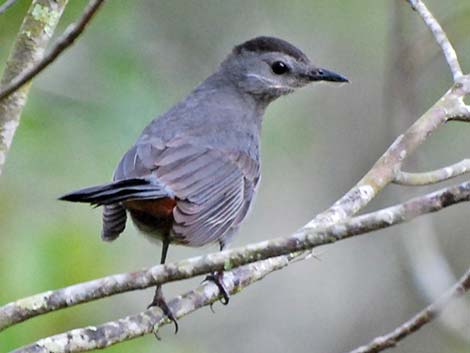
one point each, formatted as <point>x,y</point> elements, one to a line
<point>213,188</point>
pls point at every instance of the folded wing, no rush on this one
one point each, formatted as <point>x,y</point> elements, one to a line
<point>213,188</point>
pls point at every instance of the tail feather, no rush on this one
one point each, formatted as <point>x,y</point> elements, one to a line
<point>114,221</point>
<point>117,191</point>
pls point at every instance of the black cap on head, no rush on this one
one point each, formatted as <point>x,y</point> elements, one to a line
<point>271,44</point>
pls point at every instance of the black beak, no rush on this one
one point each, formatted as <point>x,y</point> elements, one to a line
<point>319,74</point>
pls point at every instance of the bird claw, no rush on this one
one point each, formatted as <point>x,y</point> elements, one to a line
<point>216,278</point>
<point>159,300</point>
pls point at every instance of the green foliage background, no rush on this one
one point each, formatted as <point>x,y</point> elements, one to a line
<point>136,60</point>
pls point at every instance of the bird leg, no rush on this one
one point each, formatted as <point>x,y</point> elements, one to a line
<point>217,278</point>
<point>158,298</point>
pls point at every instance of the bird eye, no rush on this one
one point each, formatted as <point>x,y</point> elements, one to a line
<point>279,68</point>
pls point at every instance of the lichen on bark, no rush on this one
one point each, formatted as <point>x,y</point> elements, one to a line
<point>35,33</point>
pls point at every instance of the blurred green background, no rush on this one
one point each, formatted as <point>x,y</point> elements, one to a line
<point>138,58</point>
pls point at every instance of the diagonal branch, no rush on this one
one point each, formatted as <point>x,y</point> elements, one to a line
<point>384,170</point>
<point>34,34</point>
<point>440,36</point>
<point>424,317</point>
<point>62,43</point>
<point>26,308</point>
<point>434,176</point>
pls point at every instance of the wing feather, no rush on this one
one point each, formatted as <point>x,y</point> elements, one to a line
<point>213,188</point>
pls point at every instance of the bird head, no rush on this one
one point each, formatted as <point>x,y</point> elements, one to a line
<point>268,67</point>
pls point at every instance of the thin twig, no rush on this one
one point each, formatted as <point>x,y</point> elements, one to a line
<point>424,317</point>
<point>26,308</point>
<point>440,36</point>
<point>6,5</point>
<point>434,176</point>
<point>62,43</point>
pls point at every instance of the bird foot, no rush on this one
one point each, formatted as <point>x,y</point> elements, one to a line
<point>159,300</point>
<point>217,278</point>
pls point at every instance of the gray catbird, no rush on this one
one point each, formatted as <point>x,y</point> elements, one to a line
<point>192,175</point>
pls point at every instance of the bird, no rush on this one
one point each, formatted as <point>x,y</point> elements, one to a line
<point>193,173</point>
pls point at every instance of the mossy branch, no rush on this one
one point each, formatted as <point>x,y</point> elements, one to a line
<point>27,60</point>
<point>34,35</point>
<point>63,42</point>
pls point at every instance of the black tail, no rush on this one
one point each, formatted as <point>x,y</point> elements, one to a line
<point>122,190</point>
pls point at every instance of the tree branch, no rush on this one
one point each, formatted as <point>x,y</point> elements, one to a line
<point>29,307</point>
<point>385,169</point>
<point>105,335</point>
<point>440,36</point>
<point>62,43</point>
<point>110,333</point>
<point>34,34</point>
<point>434,176</point>
<point>424,317</point>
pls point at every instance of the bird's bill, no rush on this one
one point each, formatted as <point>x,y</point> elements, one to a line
<point>320,74</point>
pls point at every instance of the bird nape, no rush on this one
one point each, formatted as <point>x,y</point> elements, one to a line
<point>192,174</point>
